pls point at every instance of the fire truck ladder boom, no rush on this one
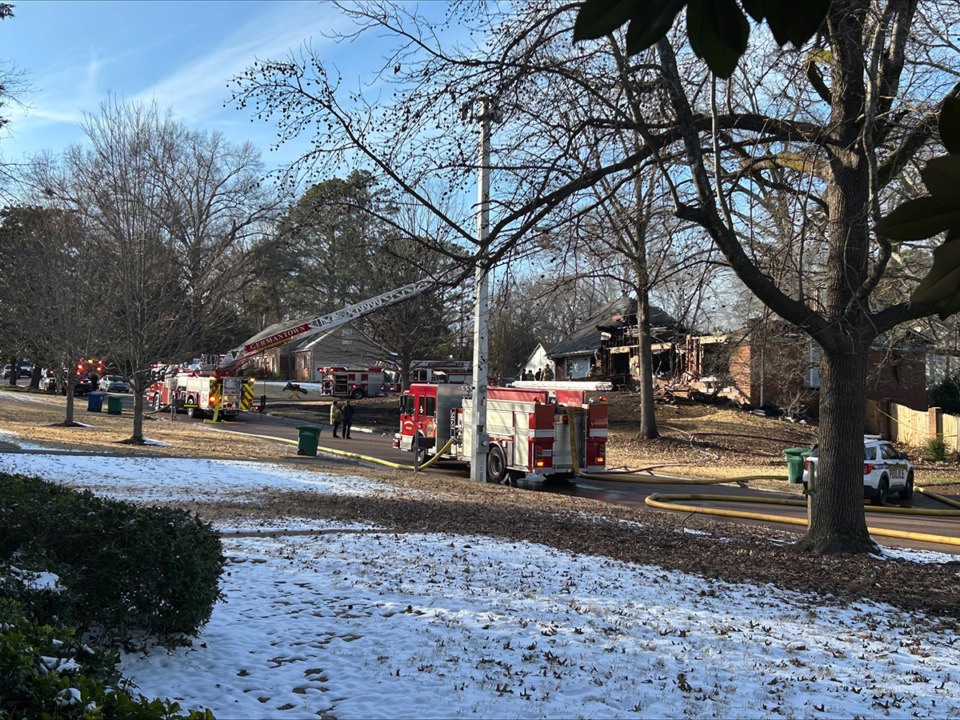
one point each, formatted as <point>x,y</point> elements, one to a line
<point>322,323</point>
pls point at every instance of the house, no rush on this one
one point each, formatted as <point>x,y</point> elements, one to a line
<point>607,344</point>
<point>538,362</point>
<point>343,346</point>
<point>775,365</point>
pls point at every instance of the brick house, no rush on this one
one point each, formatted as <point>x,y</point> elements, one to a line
<point>782,368</point>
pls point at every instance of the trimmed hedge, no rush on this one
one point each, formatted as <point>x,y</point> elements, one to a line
<point>128,572</point>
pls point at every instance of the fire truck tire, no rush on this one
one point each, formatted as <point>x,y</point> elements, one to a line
<point>357,394</point>
<point>193,412</point>
<point>496,464</point>
<point>156,401</point>
<point>421,452</point>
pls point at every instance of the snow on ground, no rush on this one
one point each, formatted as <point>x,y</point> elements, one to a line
<point>354,622</point>
<point>177,479</point>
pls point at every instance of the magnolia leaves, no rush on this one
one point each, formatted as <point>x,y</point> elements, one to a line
<point>717,29</point>
<point>933,214</point>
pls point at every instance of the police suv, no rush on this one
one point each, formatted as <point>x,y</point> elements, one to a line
<point>885,471</point>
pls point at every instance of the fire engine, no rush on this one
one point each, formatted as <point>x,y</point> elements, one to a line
<point>352,383</point>
<point>199,395</point>
<point>546,432</point>
<point>199,392</point>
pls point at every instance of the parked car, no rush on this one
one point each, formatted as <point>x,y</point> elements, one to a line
<point>48,381</point>
<point>26,370</point>
<point>114,383</point>
<point>886,471</point>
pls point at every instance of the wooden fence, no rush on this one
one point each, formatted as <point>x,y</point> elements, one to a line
<point>912,427</point>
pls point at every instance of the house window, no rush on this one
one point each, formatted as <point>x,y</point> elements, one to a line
<point>811,375</point>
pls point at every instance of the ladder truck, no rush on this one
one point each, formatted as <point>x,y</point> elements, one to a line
<point>533,432</point>
<point>201,393</point>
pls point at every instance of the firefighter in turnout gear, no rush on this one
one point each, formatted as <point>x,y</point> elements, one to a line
<point>336,416</point>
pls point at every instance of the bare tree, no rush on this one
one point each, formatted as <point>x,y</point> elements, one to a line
<point>51,260</point>
<point>824,131</point>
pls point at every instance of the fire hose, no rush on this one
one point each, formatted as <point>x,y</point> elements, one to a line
<point>673,502</point>
<point>358,456</point>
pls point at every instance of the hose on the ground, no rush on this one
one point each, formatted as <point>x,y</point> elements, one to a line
<point>669,502</point>
<point>358,456</point>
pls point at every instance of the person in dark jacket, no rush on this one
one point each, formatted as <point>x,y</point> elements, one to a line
<point>336,416</point>
<point>347,418</point>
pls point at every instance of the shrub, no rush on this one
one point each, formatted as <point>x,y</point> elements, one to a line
<point>946,395</point>
<point>935,450</point>
<point>45,672</point>
<point>127,570</point>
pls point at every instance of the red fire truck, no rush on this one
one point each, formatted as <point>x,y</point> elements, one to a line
<point>199,395</point>
<point>353,383</point>
<point>531,431</point>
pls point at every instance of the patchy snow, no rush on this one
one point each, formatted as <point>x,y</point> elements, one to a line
<point>359,622</point>
<point>177,479</point>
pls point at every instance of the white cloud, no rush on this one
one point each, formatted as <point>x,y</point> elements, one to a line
<point>199,88</point>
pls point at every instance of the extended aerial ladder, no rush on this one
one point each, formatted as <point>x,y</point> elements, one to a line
<point>322,323</point>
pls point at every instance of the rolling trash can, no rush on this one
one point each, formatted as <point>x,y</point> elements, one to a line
<point>307,442</point>
<point>795,458</point>
<point>115,404</point>
<point>95,401</point>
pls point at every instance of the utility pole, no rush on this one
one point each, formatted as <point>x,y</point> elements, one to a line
<point>483,111</point>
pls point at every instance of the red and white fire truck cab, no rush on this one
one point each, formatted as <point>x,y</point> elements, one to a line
<point>531,431</point>
<point>352,383</point>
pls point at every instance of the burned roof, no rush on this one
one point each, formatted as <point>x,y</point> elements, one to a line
<point>620,313</point>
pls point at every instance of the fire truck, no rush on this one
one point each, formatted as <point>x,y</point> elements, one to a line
<point>352,383</point>
<point>204,389</point>
<point>198,394</point>
<point>531,431</point>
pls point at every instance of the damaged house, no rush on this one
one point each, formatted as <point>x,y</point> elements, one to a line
<point>607,346</point>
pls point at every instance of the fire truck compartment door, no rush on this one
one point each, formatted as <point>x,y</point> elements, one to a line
<point>521,446</point>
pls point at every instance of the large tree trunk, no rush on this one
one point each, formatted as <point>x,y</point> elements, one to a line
<point>838,524</point>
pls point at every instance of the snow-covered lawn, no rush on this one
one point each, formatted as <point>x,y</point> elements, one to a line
<point>359,622</point>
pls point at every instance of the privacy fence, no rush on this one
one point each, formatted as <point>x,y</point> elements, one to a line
<point>912,427</point>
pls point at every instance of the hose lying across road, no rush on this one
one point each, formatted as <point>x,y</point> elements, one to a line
<point>673,502</point>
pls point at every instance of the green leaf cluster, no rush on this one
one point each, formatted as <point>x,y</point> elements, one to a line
<point>129,572</point>
<point>46,672</point>
<point>718,29</point>
<point>933,214</point>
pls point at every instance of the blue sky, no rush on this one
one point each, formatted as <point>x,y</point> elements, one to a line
<point>183,54</point>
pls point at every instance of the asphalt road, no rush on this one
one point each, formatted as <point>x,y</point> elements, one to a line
<point>379,445</point>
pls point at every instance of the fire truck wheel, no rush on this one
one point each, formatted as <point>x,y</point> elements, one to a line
<point>421,454</point>
<point>193,412</point>
<point>156,401</point>
<point>496,464</point>
<point>357,394</point>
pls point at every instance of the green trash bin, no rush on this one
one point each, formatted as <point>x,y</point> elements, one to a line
<point>795,458</point>
<point>95,401</point>
<point>309,437</point>
<point>114,404</point>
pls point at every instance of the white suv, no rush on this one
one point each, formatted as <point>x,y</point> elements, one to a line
<point>885,471</point>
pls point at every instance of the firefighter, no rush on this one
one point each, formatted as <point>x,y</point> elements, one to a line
<point>347,418</point>
<point>336,416</point>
